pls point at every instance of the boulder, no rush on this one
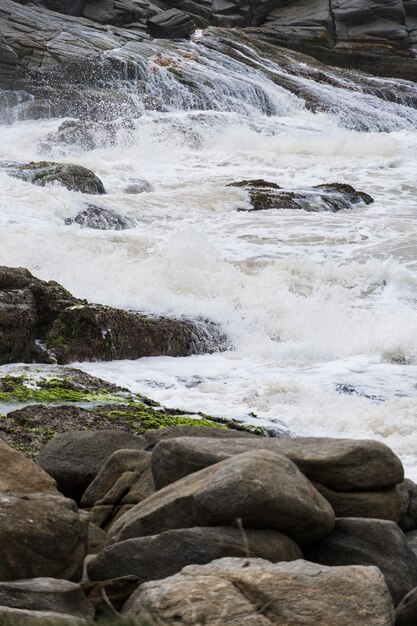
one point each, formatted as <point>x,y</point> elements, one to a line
<point>41,536</point>
<point>406,611</point>
<point>125,479</point>
<point>356,541</point>
<point>45,594</point>
<point>117,590</point>
<point>23,617</point>
<point>340,464</point>
<point>73,177</point>
<point>412,540</point>
<point>408,520</point>
<point>261,488</point>
<point>120,12</point>
<point>96,539</point>
<point>153,437</point>
<point>254,592</point>
<point>384,504</point>
<point>171,24</point>
<point>331,197</point>
<point>159,556</point>
<point>19,475</point>
<point>67,7</point>
<point>100,219</point>
<point>74,458</point>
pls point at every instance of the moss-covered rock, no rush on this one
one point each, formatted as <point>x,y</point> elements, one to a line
<point>38,403</point>
<point>42,322</point>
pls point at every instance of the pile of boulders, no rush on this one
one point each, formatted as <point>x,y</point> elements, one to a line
<point>215,527</point>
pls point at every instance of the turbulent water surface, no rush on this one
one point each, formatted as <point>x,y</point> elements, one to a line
<point>320,308</point>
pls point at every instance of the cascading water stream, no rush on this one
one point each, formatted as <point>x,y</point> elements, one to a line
<point>320,307</point>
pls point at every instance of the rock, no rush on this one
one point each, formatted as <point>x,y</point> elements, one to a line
<point>340,464</point>
<point>125,479</point>
<point>21,617</point>
<point>138,186</point>
<point>87,135</point>
<point>100,219</point>
<point>120,12</point>
<point>385,504</point>
<point>42,322</point>
<point>412,540</point>
<point>117,590</point>
<point>155,436</point>
<point>143,556</point>
<point>255,592</point>
<point>68,7</point>
<point>406,611</point>
<point>408,519</point>
<point>74,458</point>
<point>96,539</point>
<point>41,536</point>
<point>45,594</point>
<point>19,475</point>
<point>331,197</point>
<point>262,488</point>
<point>73,177</point>
<point>171,24</point>
<point>356,541</point>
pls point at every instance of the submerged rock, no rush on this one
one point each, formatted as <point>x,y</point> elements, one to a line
<point>254,592</point>
<point>73,177</point>
<point>330,197</point>
<point>100,219</point>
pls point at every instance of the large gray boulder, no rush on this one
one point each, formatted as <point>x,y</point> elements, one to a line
<point>159,556</point>
<point>45,594</point>
<point>254,592</point>
<point>73,177</point>
<point>340,464</point>
<point>406,611</point>
<point>171,24</point>
<point>408,520</point>
<point>41,536</point>
<point>383,504</point>
<point>381,543</point>
<point>24,617</point>
<point>74,458</point>
<point>262,488</point>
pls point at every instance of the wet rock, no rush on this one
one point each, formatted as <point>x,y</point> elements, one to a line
<point>255,592</point>
<point>330,197</point>
<point>19,475</point>
<point>340,464</point>
<point>68,7</point>
<point>125,479</point>
<point>120,12</point>
<point>100,219</point>
<point>406,611</point>
<point>41,536</point>
<point>42,322</point>
<point>171,24</point>
<point>74,458</point>
<point>264,489</point>
<point>87,135</point>
<point>73,177</point>
<point>45,594</point>
<point>381,543</point>
<point>142,556</point>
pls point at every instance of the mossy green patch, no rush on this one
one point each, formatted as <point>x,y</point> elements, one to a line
<point>14,389</point>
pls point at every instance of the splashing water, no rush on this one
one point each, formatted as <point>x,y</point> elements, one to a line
<point>320,308</point>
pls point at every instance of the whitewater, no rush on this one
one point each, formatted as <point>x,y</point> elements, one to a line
<point>319,308</point>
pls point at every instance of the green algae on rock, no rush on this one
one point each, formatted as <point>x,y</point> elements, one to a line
<point>39,402</point>
<point>73,177</point>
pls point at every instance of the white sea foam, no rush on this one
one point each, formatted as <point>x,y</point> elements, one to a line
<point>321,308</point>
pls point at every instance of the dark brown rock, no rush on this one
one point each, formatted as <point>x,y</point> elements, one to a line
<point>20,476</point>
<point>406,611</point>
<point>384,504</point>
<point>262,488</point>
